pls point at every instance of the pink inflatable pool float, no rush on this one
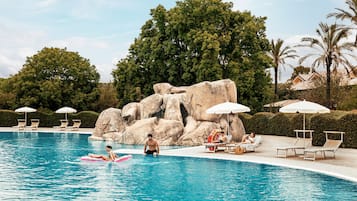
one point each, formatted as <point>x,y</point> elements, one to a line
<point>120,159</point>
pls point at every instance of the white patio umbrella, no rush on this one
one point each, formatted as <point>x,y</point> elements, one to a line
<point>227,108</point>
<point>305,107</point>
<point>25,110</point>
<point>66,110</point>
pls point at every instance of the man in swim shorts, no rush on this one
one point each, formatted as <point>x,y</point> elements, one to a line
<point>153,146</point>
<point>111,155</point>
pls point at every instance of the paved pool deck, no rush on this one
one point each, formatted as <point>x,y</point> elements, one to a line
<point>343,166</point>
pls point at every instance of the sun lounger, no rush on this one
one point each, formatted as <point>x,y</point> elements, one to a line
<point>63,125</point>
<point>330,146</point>
<point>246,147</point>
<point>251,147</point>
<point>21,124</point>
<point>215,146</point>
<point>301,143</point>
<point>76,124</point>
<point>34,124</point>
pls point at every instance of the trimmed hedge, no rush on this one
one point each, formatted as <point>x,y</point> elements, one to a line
<point>284,125</point>
<point>8,118</point>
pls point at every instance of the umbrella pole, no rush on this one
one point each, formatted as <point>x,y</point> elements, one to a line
<point>304,128</point>
<point>303,123</point>
<point>228,124</point>
<point>65,116</point>
<point>25,119</point>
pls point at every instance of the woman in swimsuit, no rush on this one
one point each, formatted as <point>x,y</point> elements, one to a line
<point>111,155</point>
<point>249,139</point>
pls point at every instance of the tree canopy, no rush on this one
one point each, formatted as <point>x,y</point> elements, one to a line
<point>330,50</point>
<point>56,77</point>
<point>197,40</point>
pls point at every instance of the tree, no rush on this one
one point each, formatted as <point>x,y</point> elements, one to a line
<point>55,77</point>
<point>197,40</point>
<point>349,15</point>
<point>279,54</point>
<point>107,98</point>
<point>7,96</point>
<point>300,70</point>
<point>330,50</point>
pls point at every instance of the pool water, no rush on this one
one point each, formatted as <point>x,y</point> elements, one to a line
<point>46,166</point>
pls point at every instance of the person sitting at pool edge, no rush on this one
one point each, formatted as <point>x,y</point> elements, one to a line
<point>152,144</point>
<point>111,155</point>
<point>248,139</point>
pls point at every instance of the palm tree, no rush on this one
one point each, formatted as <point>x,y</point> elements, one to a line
<point>330,51</point>
<point>343,14</point>
<point>279,55</point>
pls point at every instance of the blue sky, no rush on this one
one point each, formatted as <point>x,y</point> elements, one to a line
<point>102,30</point>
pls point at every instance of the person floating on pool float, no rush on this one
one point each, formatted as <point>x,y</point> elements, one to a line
<point>111,155</point>
<point>153,146</point>
<point>248,139</point>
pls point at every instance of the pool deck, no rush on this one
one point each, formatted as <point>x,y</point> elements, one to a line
<point>343,166</point>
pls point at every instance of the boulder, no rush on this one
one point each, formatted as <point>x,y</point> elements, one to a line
<point>237,128</point>
<point>162,88</point>
<point>171,104</point>
<point>165,131</point>
<point>196,132</point>
<point>131,112</point>
<point>166,88</point>
<point>204,95</point>
<point>109,120</point>
<point>150,106</point>
<point>137,132</point>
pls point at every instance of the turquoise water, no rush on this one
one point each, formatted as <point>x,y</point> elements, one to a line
<point>46,166</point>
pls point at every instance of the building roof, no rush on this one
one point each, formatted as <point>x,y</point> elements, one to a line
<point>308,80</point>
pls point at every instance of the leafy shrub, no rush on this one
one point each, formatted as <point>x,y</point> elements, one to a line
<point>280,124</point>
<point>260,122</point>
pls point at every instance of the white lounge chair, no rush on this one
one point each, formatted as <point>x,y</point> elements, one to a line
<point>251,147</point>
<point>63,125</point>
<point>34,124</point>
<point>21,124</point>
<point>300,144</point>
<point>330,146</point>
<point>215,146</point>
<point>76,124</point>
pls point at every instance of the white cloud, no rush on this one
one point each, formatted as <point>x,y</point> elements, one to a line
<point>45,3</point>
<point>79,43</point>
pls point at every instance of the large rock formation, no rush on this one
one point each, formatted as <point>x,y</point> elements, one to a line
<point>174,115</point>
<point>204,95</point>
<point>109,121</point>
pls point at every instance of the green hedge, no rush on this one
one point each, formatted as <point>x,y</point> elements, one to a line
<point>9,118</point>
<point>284,125</point>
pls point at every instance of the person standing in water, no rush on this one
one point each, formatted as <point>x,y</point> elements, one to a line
<point>153,146</point>
<point>111,155</point>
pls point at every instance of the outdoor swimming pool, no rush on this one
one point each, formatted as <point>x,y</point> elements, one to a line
<point>46,166</point>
